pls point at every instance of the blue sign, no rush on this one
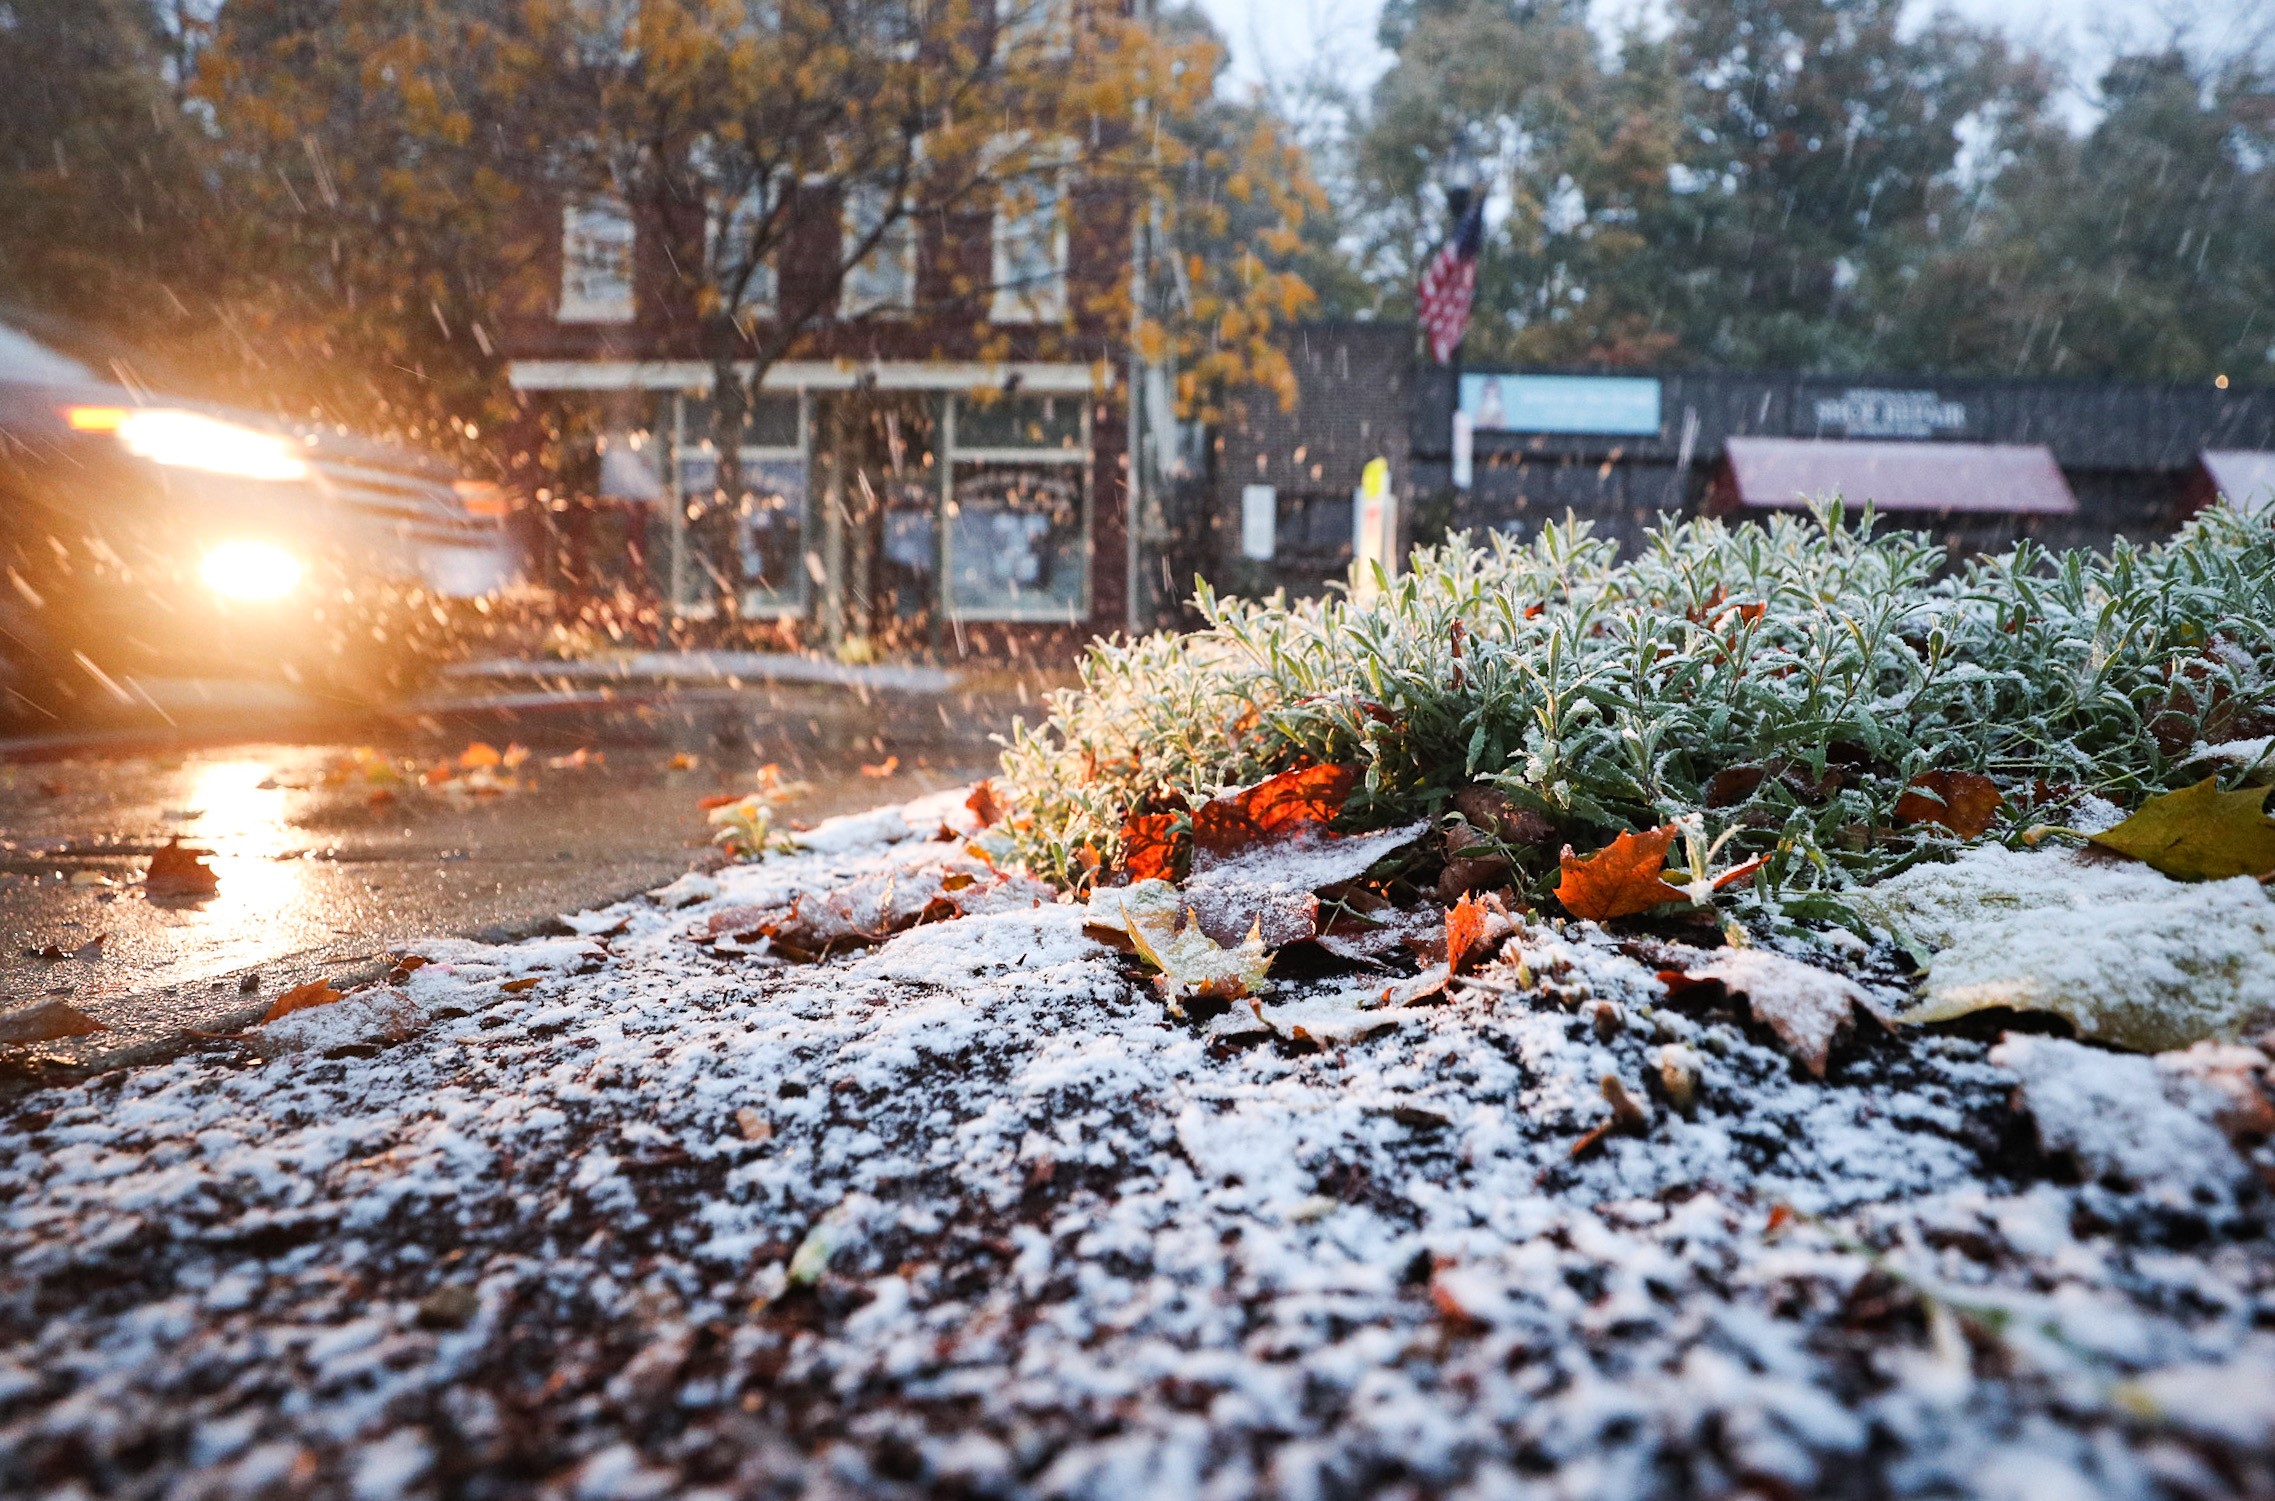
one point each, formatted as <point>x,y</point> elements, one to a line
<point>1561,403</point>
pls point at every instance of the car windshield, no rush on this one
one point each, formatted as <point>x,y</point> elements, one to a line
<point>26,361</point>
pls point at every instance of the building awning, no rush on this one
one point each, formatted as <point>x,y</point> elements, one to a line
<point>1788,473</point>
<point>2246,477</point>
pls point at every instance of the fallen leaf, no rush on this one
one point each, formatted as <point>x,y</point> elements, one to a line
<point>1274,883</point>
<point>91,950</point>
<point>437,774</point>
<point>2125,954</point>
<point>2199,833</point>
<point>1191,963</point>
<point>175,871</point>
<point>1965,802</point>
<point>479,753</point>
<point>1149,847</point>
<point>300,998</point>
<point>1491,809</point>
<point>1276,807</point>
<point>374,1017</point>
<point>681,761</point>
<point>1620,879</point>
<point>1119,908</point>
<point>46,1021</point>
<point>983,804</point>
<point>523,985</point>
<point>514,756</point>
<point>1807,1007</point>
<point>576,760</point>
<point>1465,929</point>
<point>753,1125</point>
<point>882,769</point>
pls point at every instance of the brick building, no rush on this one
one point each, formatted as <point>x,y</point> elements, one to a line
<point>928,465</point>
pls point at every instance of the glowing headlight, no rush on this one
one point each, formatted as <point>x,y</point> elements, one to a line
<point>192,440</point>
<point>250,571</point>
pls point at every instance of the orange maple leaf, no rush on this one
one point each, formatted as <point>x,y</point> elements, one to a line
<point>300,998</point>
<point>1465,927</point>
<point>1965,802</point>
<point>1149,847</point>
<point>1620,879</point>
<point>479,753</point>
<point>1277,807</point>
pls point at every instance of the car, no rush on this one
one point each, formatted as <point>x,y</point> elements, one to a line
<point>143,537</point>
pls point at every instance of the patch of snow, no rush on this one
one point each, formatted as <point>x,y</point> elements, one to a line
<point>2113,1114</point>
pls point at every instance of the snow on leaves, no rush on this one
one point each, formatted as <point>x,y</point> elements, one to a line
<point>1807,1007</point>
<point>1190,963</point>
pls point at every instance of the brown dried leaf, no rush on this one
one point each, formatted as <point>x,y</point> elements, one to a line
<point>300,998</point>
<point>1965,802</point>
<point>46,1021</point>
<point>984,806</point>
<point>176,871</point>
<point>1620,879</point>
<point>1807,1007</point>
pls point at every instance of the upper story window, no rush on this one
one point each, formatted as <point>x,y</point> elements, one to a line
<point>884,280</point>
<point>743,287</point>
<point>597,240</point>
<point>1030,248</point>
<point>1034,28</point>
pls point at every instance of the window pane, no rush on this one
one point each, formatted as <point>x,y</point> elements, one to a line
<point>1030,252</point>
<point>1016,543</point>
<point>1020,422</point>
<point>732,227</point>
<point>772,423</point>
<point>885,279</point>
<point>771,533</point>
<point>596,262</point>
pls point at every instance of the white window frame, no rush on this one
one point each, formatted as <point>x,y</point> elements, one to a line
<point>595,232</point>
<point>899,242</point>
<point>753,604</point>
<point>956,456</point>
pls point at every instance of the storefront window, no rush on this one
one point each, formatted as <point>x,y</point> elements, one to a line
<point>753,540</point>
<point>1019,508</point>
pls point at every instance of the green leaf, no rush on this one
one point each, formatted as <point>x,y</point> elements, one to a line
<point>2199,833</point>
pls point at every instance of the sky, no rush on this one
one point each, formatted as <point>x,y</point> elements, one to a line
<point>1277,39</point>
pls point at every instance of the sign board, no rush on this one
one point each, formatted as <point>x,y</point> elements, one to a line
<point>1623,404</point>
<point>1874,412</point>
<point>1374,528</point>
<point>1259,522</point>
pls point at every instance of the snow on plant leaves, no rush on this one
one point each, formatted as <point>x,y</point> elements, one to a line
<point>175,871</point>
<point>2199,833</point>
<point>1619,880</point>
<point>2124,954</point>
<point>46,1021</point>
<point>1965,802</point>
<point>1275,883</point>
<point>1191,963</point>
<point>1807,1007</point>
<point>1119,908</point>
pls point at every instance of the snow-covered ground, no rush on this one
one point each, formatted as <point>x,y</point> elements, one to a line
<point>969,1214</point>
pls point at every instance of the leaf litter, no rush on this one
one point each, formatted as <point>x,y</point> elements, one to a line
<point>1005,1232</point>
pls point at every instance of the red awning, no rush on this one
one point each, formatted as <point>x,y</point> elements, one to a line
<point>1788,473</point>
<point>2245,476</point>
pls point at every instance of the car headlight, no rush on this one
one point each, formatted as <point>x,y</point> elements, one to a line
<point>192,440</point>
<point>251,571</point>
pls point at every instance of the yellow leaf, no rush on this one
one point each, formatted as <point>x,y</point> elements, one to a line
<point>2199,833</point>
<point>1191,963</point>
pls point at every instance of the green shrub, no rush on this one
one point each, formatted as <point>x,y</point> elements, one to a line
<point>1836,663</point>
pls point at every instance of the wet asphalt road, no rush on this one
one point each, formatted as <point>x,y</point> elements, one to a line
<point>323,869</point>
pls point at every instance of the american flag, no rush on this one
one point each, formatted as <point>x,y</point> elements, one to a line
<point>1450,281</point>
